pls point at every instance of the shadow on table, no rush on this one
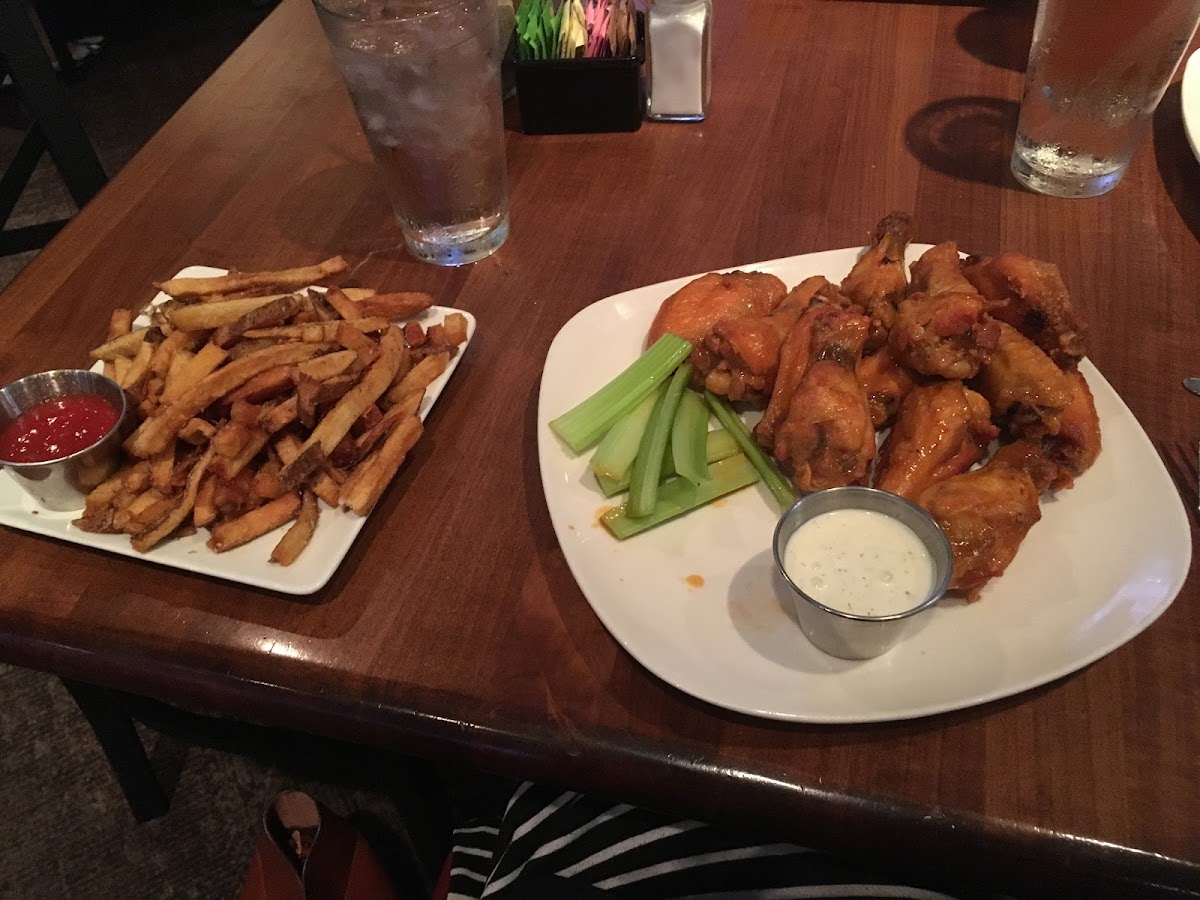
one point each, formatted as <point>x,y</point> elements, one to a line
<point>1177,165</point>
<point>999,35</point>
<point>966,137</point>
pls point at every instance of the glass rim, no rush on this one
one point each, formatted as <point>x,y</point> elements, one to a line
<point>432,8</point>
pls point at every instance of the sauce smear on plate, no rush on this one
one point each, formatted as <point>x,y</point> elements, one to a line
<point>57,428</point>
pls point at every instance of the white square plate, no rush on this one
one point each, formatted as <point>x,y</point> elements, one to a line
<point>695,600</point>
<point>248,564</point>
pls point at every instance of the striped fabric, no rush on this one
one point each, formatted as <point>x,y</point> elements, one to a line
<point>554,844</point>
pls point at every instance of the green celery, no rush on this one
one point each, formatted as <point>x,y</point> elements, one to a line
<point>688,443</point>
<point>614,456</point>
<point>586,423</point>
<point>678,496</point>
<point>718,445</point>
<point>775,482</point>
<point>648,466</point>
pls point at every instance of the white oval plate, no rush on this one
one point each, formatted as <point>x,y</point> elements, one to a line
<point>1106,559</point>
<point>1190,97</point>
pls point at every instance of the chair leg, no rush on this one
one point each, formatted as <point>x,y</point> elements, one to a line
<point>123,748</point>
<point>49,102</point>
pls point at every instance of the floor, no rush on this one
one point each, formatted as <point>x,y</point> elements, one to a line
<point>65,830</point>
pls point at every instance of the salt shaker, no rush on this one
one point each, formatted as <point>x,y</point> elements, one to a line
<point>678,59</point>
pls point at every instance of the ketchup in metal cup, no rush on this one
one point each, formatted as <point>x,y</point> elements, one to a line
<point>57,428</point>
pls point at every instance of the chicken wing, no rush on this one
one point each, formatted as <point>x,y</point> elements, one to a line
<point>827,439</point>
<point>1028,392</point>
<point>939,271</point>
<point>745,351</point>
<point>943,327</point>
<point>942,430</point>
<point>878,281</point>
<point>1029,456</point>
<point>886,384</point>
<point>1056,460</point>
<point>1030,296</point>
<point>793,361</point>
<point>985,513</point>
<point>948,335</point>
<point>693,310</point>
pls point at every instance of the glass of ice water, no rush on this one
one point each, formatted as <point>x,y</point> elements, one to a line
<point>424,76</point>
<point>1097,69</point>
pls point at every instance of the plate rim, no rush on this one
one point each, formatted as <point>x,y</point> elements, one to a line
<point>1189,97</point>
<point>1180,527</point>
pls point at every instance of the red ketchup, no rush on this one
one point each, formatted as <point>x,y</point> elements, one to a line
<point>57,428</point>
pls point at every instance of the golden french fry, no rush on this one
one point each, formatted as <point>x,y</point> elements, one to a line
<point>367,482</point>
<point>408,406</point>
<point>336,423</point>
<point>230,466</point>
<point>162,465</point>
<point>139,368</point>
<point>331,364</point>
<point>455,326</point>
<point>322,483</point>
<point>110,369</point>
<point>419,377</point>
<point>202,316</point>
<point>160,362</point>
<point>243,281</point>
<point>197,431</point>
<point>119,323</point>
<point>245,413</point>
<point>346,308</point>
<point>403,305</point>
<point>292,544</point>
<point>205,511</point>
<point>125,345</point>
<point>280,415</point>
<point>103,493</point>
<point>183,507</point>
<point>296,332</point>
<point>271,314</point>
<point>254,524</point>
<point>230,439</point>
<point>159,430</point>
<point>203,364</point>
<point>350,337</point>
<point>356,294</point>
<point>175,370</point>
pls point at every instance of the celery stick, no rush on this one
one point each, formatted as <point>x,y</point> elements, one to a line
<point>678,496</point>
<point>614,456</point>
<point>778,485</point>
<point>718,445</point>
<point>688,442</point>
<point>586,423</point>
<point>647,467</point>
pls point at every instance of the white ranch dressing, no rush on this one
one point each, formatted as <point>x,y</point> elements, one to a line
<point>859,561</point>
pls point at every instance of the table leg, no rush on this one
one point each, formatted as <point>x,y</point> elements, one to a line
<point>123,748</point>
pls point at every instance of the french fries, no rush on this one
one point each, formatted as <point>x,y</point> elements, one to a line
<point>263,403</point>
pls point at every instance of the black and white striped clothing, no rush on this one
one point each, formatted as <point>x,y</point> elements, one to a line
<point>558,844</point>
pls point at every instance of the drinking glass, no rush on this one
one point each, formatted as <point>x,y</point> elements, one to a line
<point>1097,69</point>
<point>424,76</point>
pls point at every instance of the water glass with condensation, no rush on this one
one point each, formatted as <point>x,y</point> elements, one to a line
<point>1097,69</point>
<point>424,76</point>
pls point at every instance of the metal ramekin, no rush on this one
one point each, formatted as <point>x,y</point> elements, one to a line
<point>63,484</point>
<point>844,634</point>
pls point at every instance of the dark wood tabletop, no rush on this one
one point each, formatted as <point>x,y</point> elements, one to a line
<point>454,630</point>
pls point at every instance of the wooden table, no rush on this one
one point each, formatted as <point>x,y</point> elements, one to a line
<point>454,629</point>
